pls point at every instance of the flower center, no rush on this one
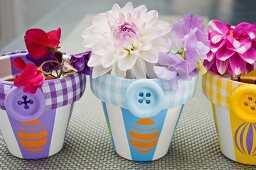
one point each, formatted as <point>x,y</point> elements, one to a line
<point>125,31</point>
<point>131,50</point>
<point>231,33</point>
<point>181,52</point>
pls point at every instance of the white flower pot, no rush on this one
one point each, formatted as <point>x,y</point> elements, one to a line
<point>141,114</point>
<point>34,125</point>
<point>234,110</point>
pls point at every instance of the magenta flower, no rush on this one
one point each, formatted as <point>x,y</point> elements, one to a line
<point>189,46</point>
<point>232,48</point>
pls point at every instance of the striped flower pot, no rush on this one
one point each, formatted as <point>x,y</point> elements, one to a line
<point>141,114</point>
<point>34,125</point>
<point>234,110</point>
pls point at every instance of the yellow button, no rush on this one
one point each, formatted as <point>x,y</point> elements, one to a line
<point>243,102</point>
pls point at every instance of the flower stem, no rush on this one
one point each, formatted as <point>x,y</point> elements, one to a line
<point>50,73</point>
<point>181,52</point>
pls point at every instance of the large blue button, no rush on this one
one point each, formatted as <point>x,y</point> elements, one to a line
<point>23,106</point>
<point>144,98</point>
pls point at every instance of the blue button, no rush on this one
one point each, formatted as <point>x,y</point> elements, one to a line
<point>24,106</point>
<point>144,98</point>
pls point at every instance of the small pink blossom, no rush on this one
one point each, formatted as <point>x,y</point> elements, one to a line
<point>30,79</point>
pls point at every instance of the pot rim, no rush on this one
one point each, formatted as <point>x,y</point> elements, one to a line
<point>57,92</point>
<point>219,89</point>
<point>112,89</point>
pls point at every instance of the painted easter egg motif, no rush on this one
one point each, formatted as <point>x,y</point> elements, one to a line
<point>144,135</point>
<point>32,136</point>
<point>244,138</point>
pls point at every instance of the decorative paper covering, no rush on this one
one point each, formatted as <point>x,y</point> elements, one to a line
<point>218,89</point>
<point>112,89</point>
<point>57,92</point>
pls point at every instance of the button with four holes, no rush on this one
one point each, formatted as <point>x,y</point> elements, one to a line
<point>144,98</point>
<point>24,106</point>
<point>243,102</point>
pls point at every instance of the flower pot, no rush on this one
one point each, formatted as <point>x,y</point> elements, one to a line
<point>34,125</point>
<point>234,110</point>
<point>141,114</point>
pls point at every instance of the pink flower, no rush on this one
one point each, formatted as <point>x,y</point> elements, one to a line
<point>232,48</point>
<point>30,79</point>
<point>39,43</point>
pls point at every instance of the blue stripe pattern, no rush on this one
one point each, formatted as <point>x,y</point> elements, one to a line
<point>130,122</point>
<point>108,123</point>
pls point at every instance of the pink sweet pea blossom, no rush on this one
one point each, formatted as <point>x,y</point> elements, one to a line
<point>30,79</point>
<point>233,48</point>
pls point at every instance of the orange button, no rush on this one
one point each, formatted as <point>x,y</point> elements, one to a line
<point>243,102</point>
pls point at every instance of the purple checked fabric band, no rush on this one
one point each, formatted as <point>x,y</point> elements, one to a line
<point>57,92</point>
<point>61,92</point>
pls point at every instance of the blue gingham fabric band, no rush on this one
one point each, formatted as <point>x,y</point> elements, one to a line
<point>57,92</point>
<point>112,90</point>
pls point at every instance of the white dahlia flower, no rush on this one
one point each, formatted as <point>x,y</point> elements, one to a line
<point>126,41</point>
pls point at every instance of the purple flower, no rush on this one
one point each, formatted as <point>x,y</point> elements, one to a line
<point>171,66</point>
<point>47,67</point>
<point>189,24</point>
<point>79,62</point>
<point>189,46</point>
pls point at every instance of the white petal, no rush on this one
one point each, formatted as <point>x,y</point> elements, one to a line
<point>139,69</point>
<point>252,35</point>
<point>127,63</point>
<point>107,61</point>
<point>236,43</point>
<point>241,49</point>
<point>161,45</point>
<point>100,19</point>
<point>150,17</point>
<point>121,54</point>
<point>162,26</point>
<point>146,46</point>
<point>150,56</point>
<point>102,51</point>
<point>142,9</point>
<point>94,60</point>
<point>116,9</point>
<point>216,38</point>
<point>128,7</point>
<point>99,70</point>
<point>117,72</point>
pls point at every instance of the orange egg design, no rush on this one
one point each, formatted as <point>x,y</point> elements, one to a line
<point>32,136</point>
<point>144,135</point>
